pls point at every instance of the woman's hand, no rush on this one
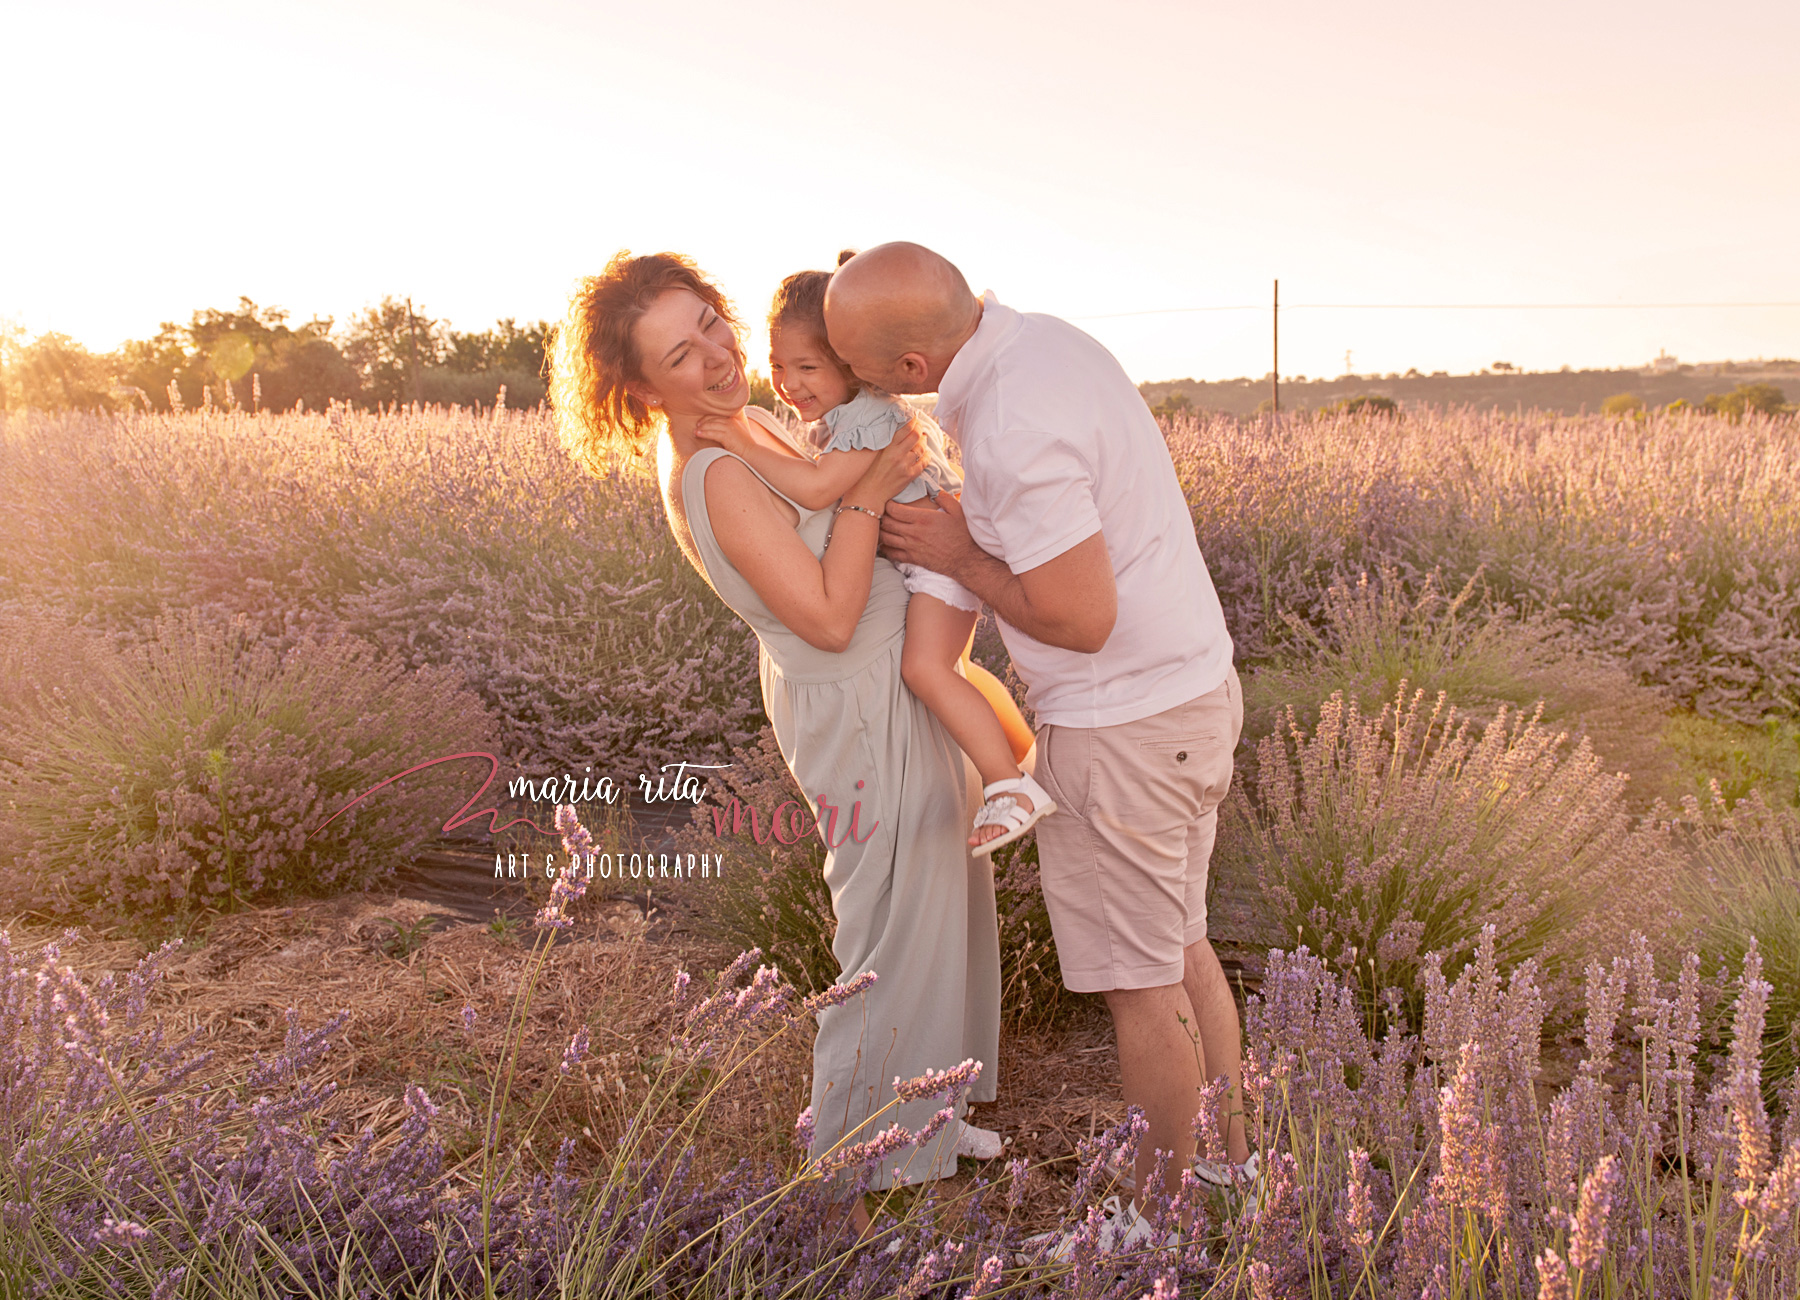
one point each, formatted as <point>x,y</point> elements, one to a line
<point>731,432</point>
<point>896,465</point>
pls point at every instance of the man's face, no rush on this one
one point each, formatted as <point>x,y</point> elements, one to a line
<point>862,349</point>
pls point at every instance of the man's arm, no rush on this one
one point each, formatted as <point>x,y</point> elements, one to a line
<point>1070,600</point>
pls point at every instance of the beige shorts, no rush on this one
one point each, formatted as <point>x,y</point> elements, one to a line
<point>1124,857</point>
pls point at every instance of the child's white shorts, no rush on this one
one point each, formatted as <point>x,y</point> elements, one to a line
<point>926,582</point>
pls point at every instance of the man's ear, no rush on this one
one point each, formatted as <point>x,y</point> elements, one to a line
<point>915,367</point>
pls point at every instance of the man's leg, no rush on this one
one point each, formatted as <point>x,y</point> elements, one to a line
<point>1123,867</point>
<point>1215,1012</point>
<point>1159,1070</point>
<point>1207,989</point>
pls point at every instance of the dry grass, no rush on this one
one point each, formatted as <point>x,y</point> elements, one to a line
<point>613,972</point>
<point>405,1026</point>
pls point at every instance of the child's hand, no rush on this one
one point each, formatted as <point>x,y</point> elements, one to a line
<point>728,431</point>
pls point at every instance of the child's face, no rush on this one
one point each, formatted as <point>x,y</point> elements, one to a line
<point>807,379</point>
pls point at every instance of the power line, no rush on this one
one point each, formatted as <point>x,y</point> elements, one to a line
<point>1447,306</point>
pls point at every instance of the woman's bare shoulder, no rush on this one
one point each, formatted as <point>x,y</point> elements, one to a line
<point>676,485</point>
<point>727,479</point>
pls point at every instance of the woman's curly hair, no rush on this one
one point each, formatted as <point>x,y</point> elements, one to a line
<point>594,357</point>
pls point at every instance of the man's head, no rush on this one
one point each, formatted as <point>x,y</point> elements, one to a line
<point>897,314</point>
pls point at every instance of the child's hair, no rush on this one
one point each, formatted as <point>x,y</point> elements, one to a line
<point>801,302</point>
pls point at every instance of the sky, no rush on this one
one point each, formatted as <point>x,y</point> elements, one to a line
<point>1103,162</point>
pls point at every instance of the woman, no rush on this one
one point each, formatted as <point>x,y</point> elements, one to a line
<point>649,350</point>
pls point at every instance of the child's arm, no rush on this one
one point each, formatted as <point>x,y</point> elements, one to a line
<point>813,484</point>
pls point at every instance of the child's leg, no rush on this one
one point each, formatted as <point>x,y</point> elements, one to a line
<point>1000,700</point>
<point>935,636</point>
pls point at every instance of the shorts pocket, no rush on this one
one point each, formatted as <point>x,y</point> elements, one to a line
<point>1181,751</point>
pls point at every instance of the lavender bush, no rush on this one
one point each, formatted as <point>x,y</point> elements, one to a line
<point>1746,895</point>
<point>1381,631</point>
<point>1396,1165</point>
<point>1380,840</point>
<point>1669,546</point>
<point>453,538</point>
<point>192,768</point>
<point>469,541</point>
<point>1425,1166</point>
<point>1404,1165</point>
<point>123,1166</point>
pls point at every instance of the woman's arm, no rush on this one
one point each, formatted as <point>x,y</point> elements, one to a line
<point>814,484</point>
<point>820,600</point>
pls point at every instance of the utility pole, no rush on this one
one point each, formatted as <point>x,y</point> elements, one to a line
<point>412,350</point>
<point>1275,373</point>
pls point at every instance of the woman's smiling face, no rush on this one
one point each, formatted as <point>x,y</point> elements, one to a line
<point>689,358</point>
<point>805,375</point>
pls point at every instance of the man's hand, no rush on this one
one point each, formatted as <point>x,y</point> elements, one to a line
<point>932,537</point>
<point>1070,600</point>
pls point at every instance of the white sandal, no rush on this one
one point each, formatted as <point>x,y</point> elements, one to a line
<point>980,1143</point>
<point>1001,809</point>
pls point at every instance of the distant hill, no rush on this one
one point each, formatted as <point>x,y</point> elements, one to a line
<point>1566,391</point>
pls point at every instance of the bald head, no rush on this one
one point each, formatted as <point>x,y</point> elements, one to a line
<point>897,314</point>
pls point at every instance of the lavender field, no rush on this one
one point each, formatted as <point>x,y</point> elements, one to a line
<point>1518,795</point>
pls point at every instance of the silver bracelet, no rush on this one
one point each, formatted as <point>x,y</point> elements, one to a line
<point>864,509</point>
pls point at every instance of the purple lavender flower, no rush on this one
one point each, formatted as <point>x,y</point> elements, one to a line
<point>804,1129</point>
<point>576,1049</point>
<point>1782,1191</point>
<point>1743,1089</point>
<point>1553,1277</point>
<point>1474,1172</point>
<point>1359,1218</point>
<point>934,1125</point>
<point>1018,1171</point>
<point>120,1232</point>
<point>871,1152</point>
<point>938,1083</point>
<point>575,836</point>
<point>838,994</point>
<point>765,1003</point>
<point>569,887</point>
<point>987,1278</point>
<point>1262,1281</point>
<point>1587,1243</point>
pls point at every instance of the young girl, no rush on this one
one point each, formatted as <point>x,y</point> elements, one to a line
<point>851,422</point>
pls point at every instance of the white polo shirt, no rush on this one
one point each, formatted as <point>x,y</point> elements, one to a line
<point>1057,445</point>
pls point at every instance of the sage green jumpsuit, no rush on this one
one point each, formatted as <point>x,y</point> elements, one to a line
<point>912,903</point>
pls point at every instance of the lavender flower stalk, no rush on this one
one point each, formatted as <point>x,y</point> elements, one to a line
<point>938,1083</point>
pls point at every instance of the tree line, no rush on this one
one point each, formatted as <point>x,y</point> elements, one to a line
<point>254,358</point>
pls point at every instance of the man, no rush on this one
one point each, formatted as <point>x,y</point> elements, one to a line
<point>1072,526</point>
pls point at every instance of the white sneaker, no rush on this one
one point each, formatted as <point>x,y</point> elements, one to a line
<point>1125,1229</point>
<point>1241,1184</point>
<point>1243,1177</point>
<point>980,1143</point>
